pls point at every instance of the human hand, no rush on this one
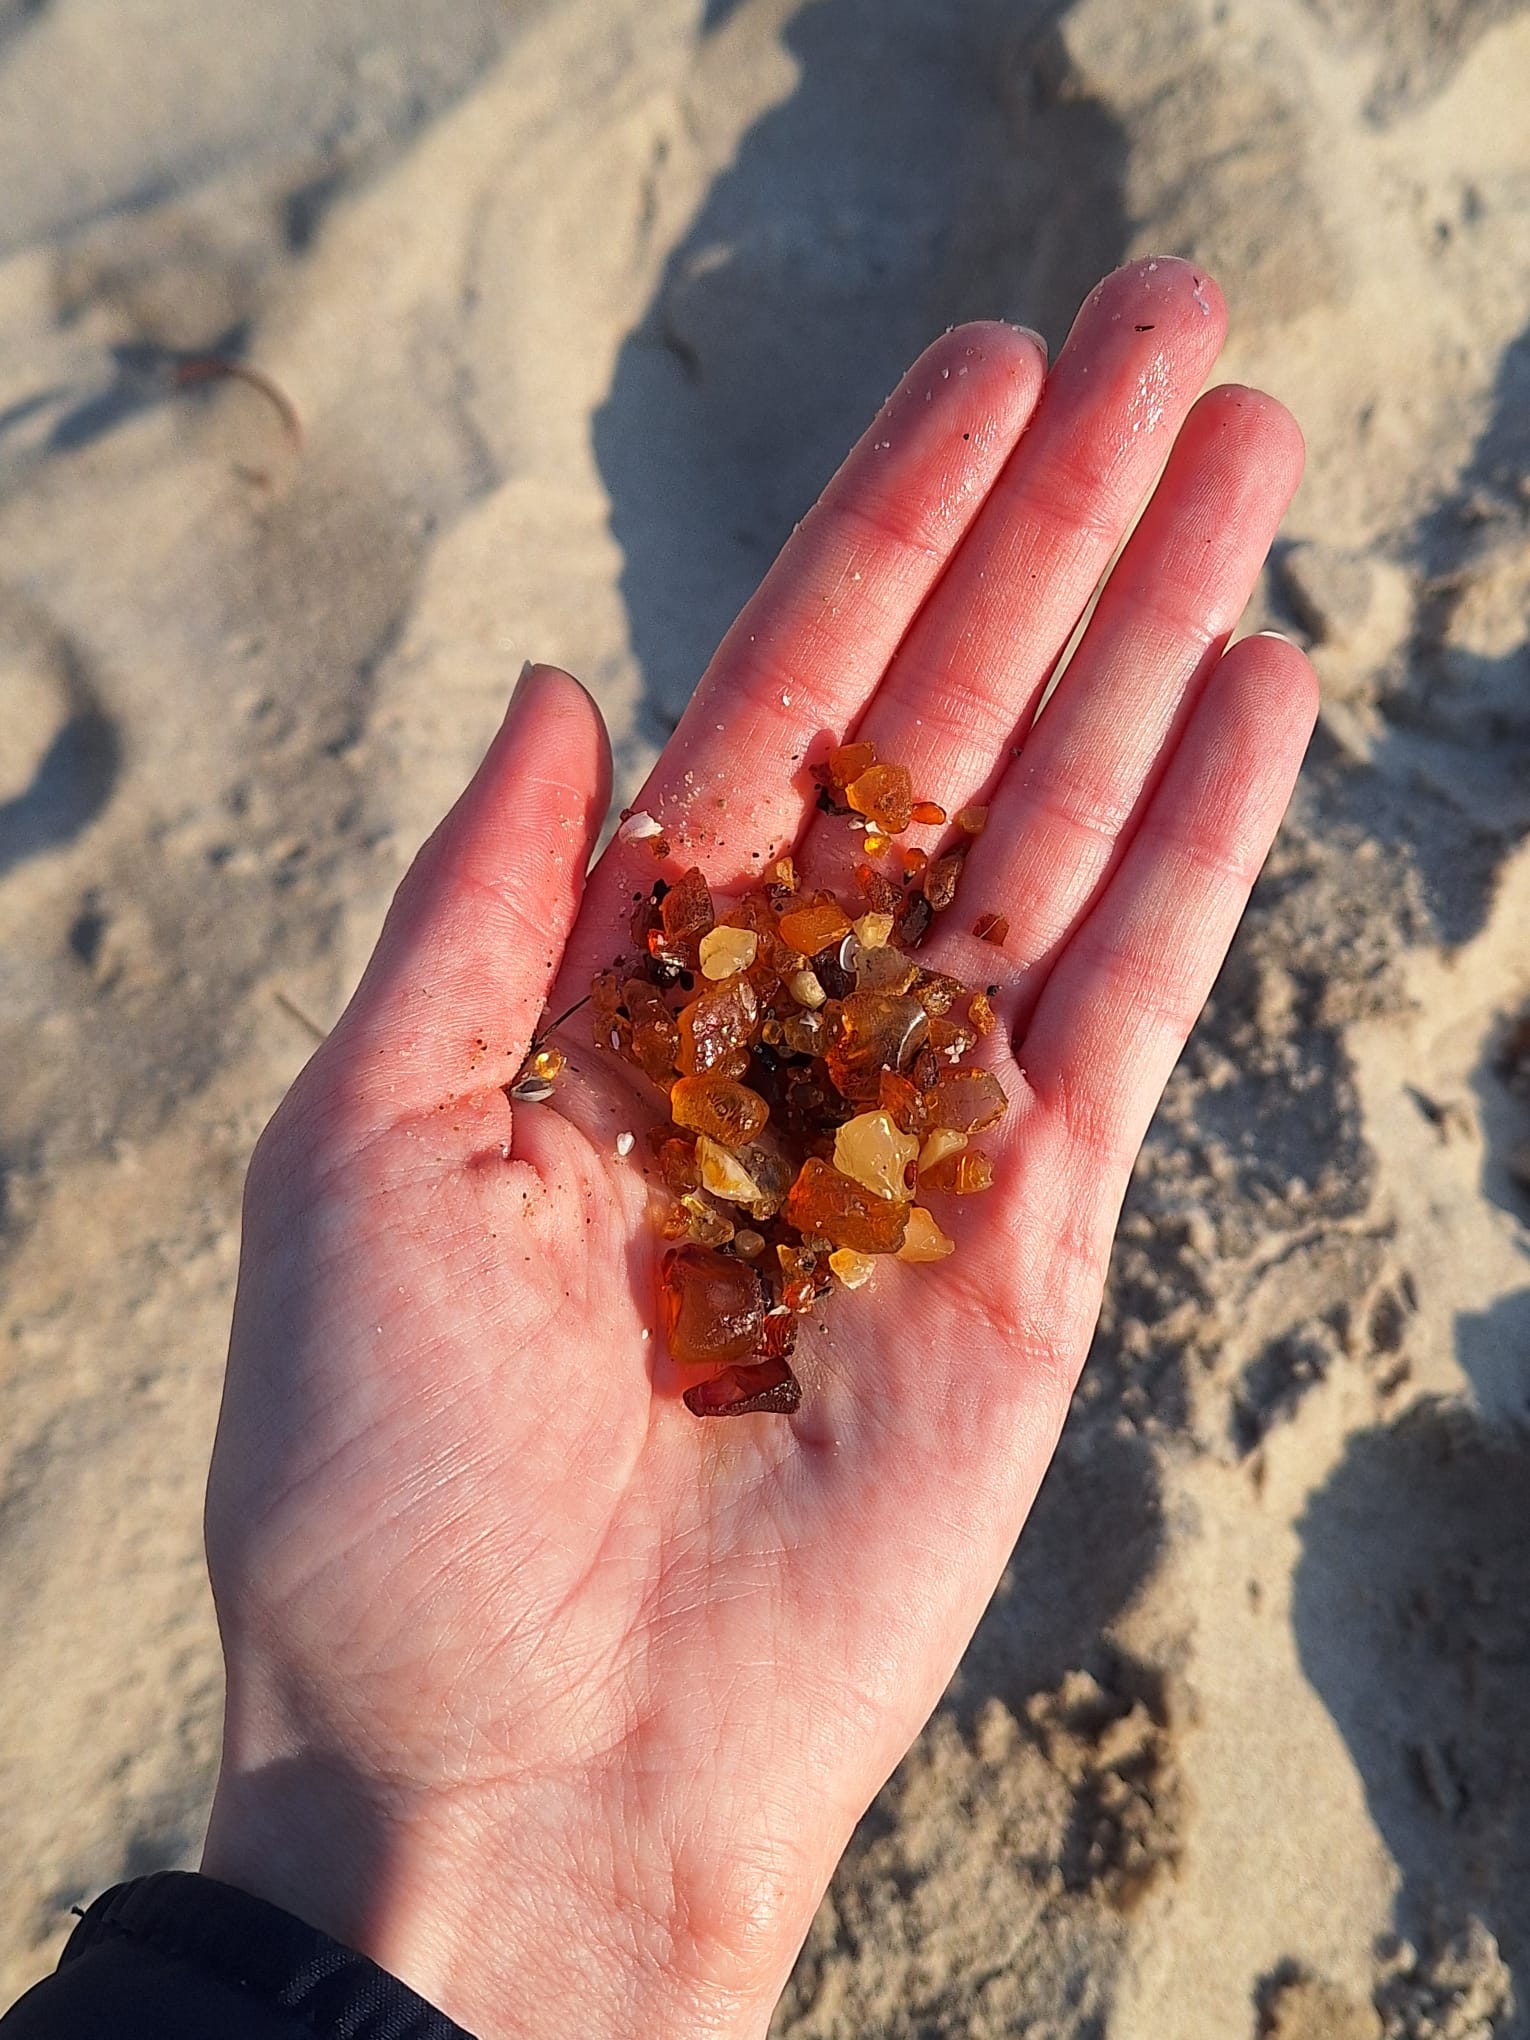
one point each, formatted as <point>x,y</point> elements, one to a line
<point>558,1702</point>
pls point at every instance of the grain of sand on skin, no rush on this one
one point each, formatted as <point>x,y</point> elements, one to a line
<point>1210,1747</point>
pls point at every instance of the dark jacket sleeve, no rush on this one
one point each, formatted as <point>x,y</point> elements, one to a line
<point>181,1957</point>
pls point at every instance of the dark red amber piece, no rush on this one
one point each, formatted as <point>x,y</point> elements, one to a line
<point>713,1306</point>
<point>766,1386</point>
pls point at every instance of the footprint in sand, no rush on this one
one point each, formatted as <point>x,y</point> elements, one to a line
<point>59,750</point>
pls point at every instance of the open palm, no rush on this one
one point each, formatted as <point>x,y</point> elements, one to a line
<point>556,1700</point>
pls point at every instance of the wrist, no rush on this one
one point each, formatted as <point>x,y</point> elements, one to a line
<point>499,1920</point>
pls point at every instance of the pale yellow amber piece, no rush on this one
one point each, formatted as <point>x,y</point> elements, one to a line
<point>854,1270</point>
<point>924,1240</point>
<point>874,931</point>
<point>724,1174</point>
<point>725,952</point>
<point>873,1150</point>
<point>805,989</point>
<point>945,1140</point>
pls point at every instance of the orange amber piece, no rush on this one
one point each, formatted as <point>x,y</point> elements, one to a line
<point>961,1174</point>
<point>972,821</point>
<point>686,909</point>
<point>951,1039</point>
<point>901,1100</point>
<point>914,862</point>
<point>812,928</point>
<point>980,1012</point>
<point>930,812</point>
<point>676,1157</point>
<point>713,1306</point>
<point>719,1107</point>
<point>877,889</point>
<point>877,1031</point>
<point>940,880</point>
<point>764,1387</point>
<point>965,1100</point>
<point>655,1039</point>
<point>884,794</point>
<point>991,928</point>
<point>935,991</point>
<point>722,1020</point>
<point>825,1202</point>
<point>847,762</point>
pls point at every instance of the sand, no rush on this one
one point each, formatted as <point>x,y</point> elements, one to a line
<point>580,302</point>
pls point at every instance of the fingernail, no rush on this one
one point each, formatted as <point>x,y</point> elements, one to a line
<point>525,669</point>
<point>1280,634</point>
<point>1039,338</point>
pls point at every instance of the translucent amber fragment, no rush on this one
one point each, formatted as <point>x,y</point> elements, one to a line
<point>960,1174</point>
<point>811,928</point>
<point>805,989</point>
<point>762,1388</point>
<point>940,881</point>
<point>884,794</point>
<point>877,1031</point>
<point>936,992</point>
<point>704,1223</point>
<point>914,919</point>
<point>654,1039</point>
<point>945,1140</point>
<point>874,931</point>
<point>902,1100</point>
<point>784,873</point>
<point>724,1174</point>
<point>872,1151</point>
<point>930,812</point>
<point>677,1164</point>
<point>749,1243</point>
<point>951,1039</point>
<point>717,1106</point>
<point>713,1306</point>
<point>924,1241</point>
<point>724,952</point>
<point>915,861</point>
<point>884,970</point>
<point>548,1063</point>
<point>721,1019</point>
<point>845,1213</point>
<point>686,909</point>
<point>876,842</point>
<point>877,890</point>
<point>966,1100</point>
<point>848,762</point>
<point>980,1013</point>
<point>805,1033</point>
<point>972,821</point>
<point>991,928</point>
<point>853,1270</point>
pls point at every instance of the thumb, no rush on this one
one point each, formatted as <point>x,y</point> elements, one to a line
<point>476,931</point>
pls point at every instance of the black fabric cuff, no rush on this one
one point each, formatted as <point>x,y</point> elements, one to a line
<point>178,1955</point>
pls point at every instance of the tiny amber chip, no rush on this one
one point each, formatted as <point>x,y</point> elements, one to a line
<point>853,1270</point>
<point>991,928</point>
<point>717,1106</point>
<point>884,794</point>
<point>940,881</point>
<point>548,1063</point>
<point>726,951</point>
<point>848,762</point>
<point>725,1174</point>
<point>980,1012</point>
<point>924,1240</point>
<point>713,1305</point>
<point>686,909</point>
<point>844,1213</point>
<point>930,812</point>
<point>972,821</point>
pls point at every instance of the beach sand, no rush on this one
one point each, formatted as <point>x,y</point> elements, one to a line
<point>579,303</point>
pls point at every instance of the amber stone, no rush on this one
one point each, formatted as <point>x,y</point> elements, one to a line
<point>877,1031</point>
<point>930,812</point>
<point>806,1033</point>
<point>901,1100</point>
<point>764,1387</point>
<point>677,1162</point>
<point>941,879</point>
<point>655,1038</point>
<point>713,1306</point>
<point>719,1020</point>
<point>925,1240</point>
<point>813,927</point>
<point>943,1141</point>
<point>884,794</point>
<point>991,928</point>
<point>845,1213</point>
<point>914,919</point>
<point>972,821</point>
<point>877,889</point>
<point>884,970</point>
<point>686,909</point>
<point>847,762</point>
<point>915,861</point>
<point>872,1150</point>
<point>725,951</point>
<point>961,1174</point>
<point>980,1012</point>
<point>936,992</point>
<point>967,1100</point>
<point>704,1223</point>
<point>717,1106</point>
<point>726,1174</point>
<point>853,1270</point>
<point>951,1039</point>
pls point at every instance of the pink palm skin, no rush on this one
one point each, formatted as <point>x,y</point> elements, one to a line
<point>558,1702</point>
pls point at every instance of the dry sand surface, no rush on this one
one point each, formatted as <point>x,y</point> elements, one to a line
<point>580,302</point>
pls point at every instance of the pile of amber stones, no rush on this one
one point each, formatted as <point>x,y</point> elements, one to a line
<point>815,1081</point>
